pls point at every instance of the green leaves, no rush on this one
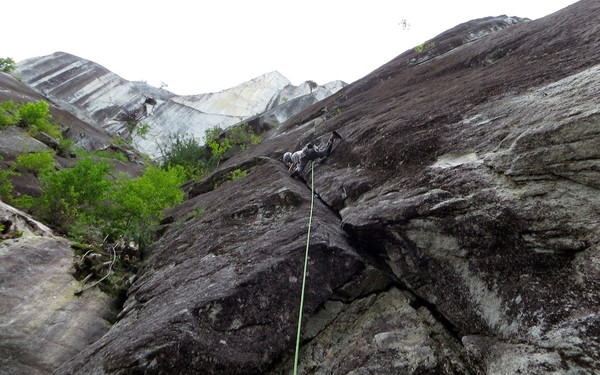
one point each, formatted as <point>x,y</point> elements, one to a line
<point>86,202</point>
<point>135,206</point>
<point>38,162</point>
<point>147,196</point>
<point>8,114</point>
<point>6,186</point>
<point>7,64</point>
<point>35,116</point>
<point>70,191</point>
<point>185,151</point>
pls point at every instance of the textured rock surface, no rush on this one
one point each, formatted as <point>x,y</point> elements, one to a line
<point>82,133</point>
<point>42,323</point>
<point>456,232</point>
<point>104,99</point>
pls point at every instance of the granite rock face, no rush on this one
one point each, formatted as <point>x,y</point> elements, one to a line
<point>43,322</point>
<point>454,229</point>
<point>81,132</point>
<point>110,102</point>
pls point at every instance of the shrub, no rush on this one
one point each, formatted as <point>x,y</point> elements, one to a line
<point>24,202</point>
<point>37,118</point>
<point>184,150</point>
<point>30,113</point>
<point>38,162</point>
<point>7,64</point>
<point>8,114</point>
<point>220,142</point>
<point>136,205</point>
<point>67,193</point>
<point>66,147</point>
<point>243,136</point>
<point>218,145</point>
<point>198,160</point>
<point>6,186</point>
<point>110,154</point>
<point>425,46</point>
<point>142,130</point>
<point>237,174</point>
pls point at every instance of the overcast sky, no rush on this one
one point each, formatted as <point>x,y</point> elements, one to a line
<point>197,47</point>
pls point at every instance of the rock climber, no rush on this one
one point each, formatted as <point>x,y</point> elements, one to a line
<point>298,160</point>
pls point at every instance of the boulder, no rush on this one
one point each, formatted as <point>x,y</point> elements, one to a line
<point>43,322</point>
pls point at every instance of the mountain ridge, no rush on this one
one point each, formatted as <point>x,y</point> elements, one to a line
<point>108,101</point>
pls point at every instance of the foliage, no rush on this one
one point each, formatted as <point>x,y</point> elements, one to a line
<point>23,202</point>
<point>85,202</point>
<point>243,136</point>
<point>187,152</point>
<point>110,154</point>
<point>8,117</point>
<point>6,186</point>
<point>34,116</point>
<point>30,113</point>
<point>37,118</point>
<point>66,147</point>
<point>136,205</point>
<point>7,64</point>
<point>142,130</point>
<point>38,162</point>
<point>312,85</point>
<point>197,159</point>
<point>138,128</point>
<point>218,145</point>
<point>237,174</point>
<point>67,193</point>
<point>146,197</point>
<point>220,142</point>
<point>425,46</point>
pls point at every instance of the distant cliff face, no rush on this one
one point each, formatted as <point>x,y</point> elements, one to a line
<point>108,101</point>
<point>455,229</point>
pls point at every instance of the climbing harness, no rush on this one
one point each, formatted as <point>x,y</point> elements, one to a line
<point>312,200</point>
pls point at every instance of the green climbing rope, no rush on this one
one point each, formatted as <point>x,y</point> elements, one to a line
<point>312,200</point>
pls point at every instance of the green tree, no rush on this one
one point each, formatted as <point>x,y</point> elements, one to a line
<point>36,117</point>
<point>243,135</point>
<point>8,114</point>
<point>136,205</point>
<point>69,192</point>
<point>198,160</point>
<point>6,186</point>
<point>218,144</point>
<point>186,151</point>
<point>7,64</point>
<point>38,162</point>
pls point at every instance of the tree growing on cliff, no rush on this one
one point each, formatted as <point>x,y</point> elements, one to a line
<point>69,192</point>
<point>136,205</point>
<point>7,64</point>
<point>186,151</point>
<point>8,111</point>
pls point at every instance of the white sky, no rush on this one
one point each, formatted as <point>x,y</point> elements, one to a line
<point>198,47</point>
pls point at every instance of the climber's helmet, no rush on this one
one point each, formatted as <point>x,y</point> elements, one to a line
<point>287,158</point>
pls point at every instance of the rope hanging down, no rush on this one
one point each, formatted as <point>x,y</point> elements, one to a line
<point>312,200</point>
